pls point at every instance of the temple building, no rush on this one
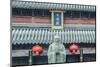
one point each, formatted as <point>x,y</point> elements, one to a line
<point>36,23</point>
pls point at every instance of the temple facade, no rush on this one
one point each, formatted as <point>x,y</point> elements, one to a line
<point>36,23</point>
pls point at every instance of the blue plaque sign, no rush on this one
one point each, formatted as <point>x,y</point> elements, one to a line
<point>57,19</point>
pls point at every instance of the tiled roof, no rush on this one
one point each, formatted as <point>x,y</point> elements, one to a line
<point>47,5</point>
<point>46,36</point>
<point>66,26</point>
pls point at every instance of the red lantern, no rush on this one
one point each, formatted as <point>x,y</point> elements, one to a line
<point>37,50</point>
<point>73,48</point>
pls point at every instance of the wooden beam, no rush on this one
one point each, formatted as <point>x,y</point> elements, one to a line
<point>19,53</point>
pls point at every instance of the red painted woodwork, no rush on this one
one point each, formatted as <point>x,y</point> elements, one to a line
<point>47,20</point>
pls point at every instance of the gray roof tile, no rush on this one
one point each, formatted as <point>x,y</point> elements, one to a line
<point>45,5</point>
